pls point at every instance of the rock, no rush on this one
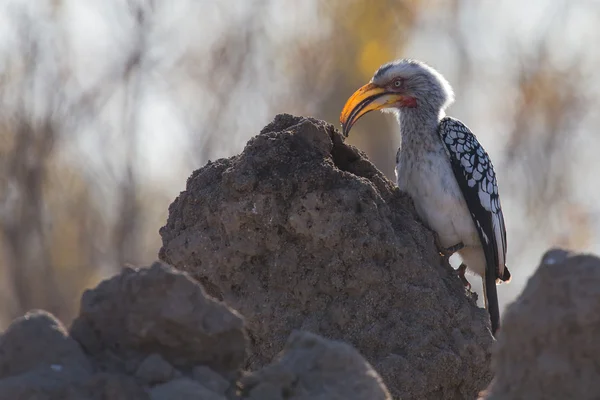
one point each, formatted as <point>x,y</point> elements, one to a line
<point>154,369</point>
<point>183,389</point>
<point>312,367</point>
<point>301,231</point>
<point>38,360</point>
<point>548,346</point>
<point>39,383</point>
<point>39,341</point>
<point>103,386</point>
<point>158,310</point>
<point>210,379</point>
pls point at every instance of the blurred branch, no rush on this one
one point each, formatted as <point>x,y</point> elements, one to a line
<point>47,107</point>
<point>24,169</point>
<point>126,227</point>
<point>549,113</point>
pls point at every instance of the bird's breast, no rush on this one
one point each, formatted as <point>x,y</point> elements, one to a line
<point>428,178</point>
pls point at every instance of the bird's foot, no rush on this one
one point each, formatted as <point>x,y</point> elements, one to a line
<point>453,249</point>
<point>460,271</point>
<point>447,251</point>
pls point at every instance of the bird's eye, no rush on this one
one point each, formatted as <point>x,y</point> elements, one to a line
<point>397,83</point>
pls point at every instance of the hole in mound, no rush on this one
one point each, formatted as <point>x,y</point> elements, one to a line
<point>343,156</point>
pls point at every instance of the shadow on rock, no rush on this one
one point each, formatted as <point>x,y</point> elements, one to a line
<point>153,333</point>
<point>548,346</point>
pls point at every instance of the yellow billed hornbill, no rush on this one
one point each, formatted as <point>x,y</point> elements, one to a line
<point>442,166</point>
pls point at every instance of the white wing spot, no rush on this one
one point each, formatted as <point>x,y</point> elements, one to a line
<point>487,240</point>
<point>485,200</point>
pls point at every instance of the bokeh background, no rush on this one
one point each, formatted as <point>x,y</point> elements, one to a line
<point>106,107</point>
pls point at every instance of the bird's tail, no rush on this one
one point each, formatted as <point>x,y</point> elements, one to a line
<point>476,260</point>
<point>490,296</point>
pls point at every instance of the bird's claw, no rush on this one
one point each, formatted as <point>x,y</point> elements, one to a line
<point>460,271</point>
<point>447,251</point>
<point>455,248</point>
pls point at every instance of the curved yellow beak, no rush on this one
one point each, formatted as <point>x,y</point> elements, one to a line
<point>368,98</point>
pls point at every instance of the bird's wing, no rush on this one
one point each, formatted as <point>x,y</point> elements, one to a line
<point>475,175</point>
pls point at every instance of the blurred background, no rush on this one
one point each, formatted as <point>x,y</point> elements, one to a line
<point>108,105</point>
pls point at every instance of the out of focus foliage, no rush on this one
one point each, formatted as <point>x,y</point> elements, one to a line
<point>108,105</point>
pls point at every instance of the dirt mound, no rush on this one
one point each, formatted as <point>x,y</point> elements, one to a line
<point>154,334</point>
<point>301,231</point>
<point>548,346</point>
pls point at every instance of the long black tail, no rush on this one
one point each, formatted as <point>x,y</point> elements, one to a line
<point>492,299</point>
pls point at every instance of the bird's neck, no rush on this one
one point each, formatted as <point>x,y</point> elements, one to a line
<point>418,129</point>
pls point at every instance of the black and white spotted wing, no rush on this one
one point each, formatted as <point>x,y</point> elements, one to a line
<point>476,178</point>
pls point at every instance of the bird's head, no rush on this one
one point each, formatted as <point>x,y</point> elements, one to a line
<point>399,85</point>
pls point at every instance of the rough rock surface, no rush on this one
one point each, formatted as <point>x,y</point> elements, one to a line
<point>156,308</point>
<point>155,369</point>
<point>38,360</point>
<point>306,369</point>
<point>184,389</point>
<point>39,341</point>
<point>153,334</point>
<point>210,379</point>
<point>301,231</point>
<point>102,386</point>
<point>549,344</point>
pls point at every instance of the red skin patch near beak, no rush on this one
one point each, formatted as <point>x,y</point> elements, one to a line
<point>409,102</point>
